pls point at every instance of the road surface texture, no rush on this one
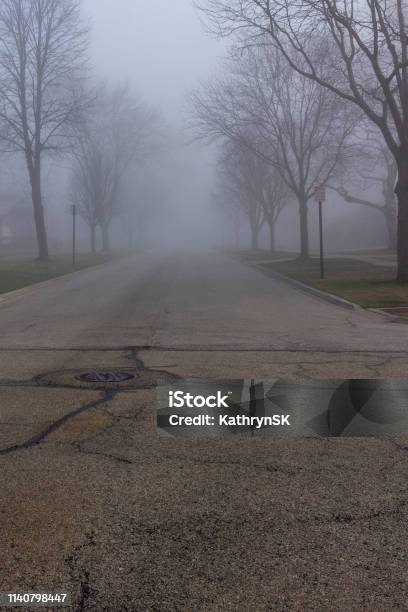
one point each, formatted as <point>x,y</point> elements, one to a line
<point>94,503</point>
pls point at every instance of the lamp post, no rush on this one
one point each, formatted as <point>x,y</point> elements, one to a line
<point>320,197</point>
<point>73,211</point>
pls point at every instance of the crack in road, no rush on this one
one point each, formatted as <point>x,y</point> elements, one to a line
<point>54,425</point>
<point>200,349</point>
<point>108,395</point>
<point>72,561</point>
<point>110,456</point>
<point>348,517</point>
<point>134,357</point>
<point>249,466</point>
<point>300,369</point>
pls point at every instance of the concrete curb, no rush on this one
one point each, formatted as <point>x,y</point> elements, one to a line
<point>392,318</point>
<point>323,295</point>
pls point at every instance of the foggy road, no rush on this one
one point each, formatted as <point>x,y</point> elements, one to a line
<point>215,149</point>
<point>186,300</point>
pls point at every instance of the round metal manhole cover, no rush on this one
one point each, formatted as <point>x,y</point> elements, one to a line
<point>101,376</point>
<point>104,378</point>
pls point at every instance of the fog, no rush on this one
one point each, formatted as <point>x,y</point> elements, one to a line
<point>162,53</point>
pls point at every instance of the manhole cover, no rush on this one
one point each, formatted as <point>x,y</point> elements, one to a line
<point>104,376</point>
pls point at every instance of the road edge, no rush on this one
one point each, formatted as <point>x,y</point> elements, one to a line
<point>323,295</point>
<point>4,297</point>
<point>392,318</point>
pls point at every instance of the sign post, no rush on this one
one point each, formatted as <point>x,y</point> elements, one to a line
<point>73,210</point>
<point>320,197</point>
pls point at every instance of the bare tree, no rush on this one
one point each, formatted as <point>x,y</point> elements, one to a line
<point>275,197</point>
<point>242,177</point>
<point>122,133</point>
<point>42,53</point>
<point>131,132</point>
<point>370,164</point>
<point>296,126</point>
<point>88,184</point>
<point>362,57</point>
<point>228,205</point>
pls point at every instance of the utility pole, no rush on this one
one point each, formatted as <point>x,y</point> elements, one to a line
<point>73,210</point>
<point>320,197</point>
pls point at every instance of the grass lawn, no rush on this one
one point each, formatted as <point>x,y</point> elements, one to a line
<point>366,284</point>
<point>16,273</point>
<point>262,255</point>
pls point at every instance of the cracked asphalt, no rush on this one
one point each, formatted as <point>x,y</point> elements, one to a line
<point>94,502</point>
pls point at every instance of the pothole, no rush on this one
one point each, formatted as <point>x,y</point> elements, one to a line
<point>105,378</point>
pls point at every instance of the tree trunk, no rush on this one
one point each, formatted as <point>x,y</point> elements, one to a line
<point>303,227</point>
<point>236,235</point>
<point>254,238</point>
<point>93,241</point>
<point>271,237</point>
<point>402,193</point>
<point>105,237</point>
<point>390,208</point>
<point>391,225</point>
<point>41,232</point>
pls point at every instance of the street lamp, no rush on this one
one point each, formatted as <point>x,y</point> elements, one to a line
<point>73,212</point>
<point>320,197</point>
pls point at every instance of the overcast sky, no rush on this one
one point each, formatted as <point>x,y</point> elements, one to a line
<point>160,46</point>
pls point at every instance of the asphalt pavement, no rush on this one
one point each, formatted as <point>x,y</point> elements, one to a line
<point>185,301</point>
<point>93,502</point>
